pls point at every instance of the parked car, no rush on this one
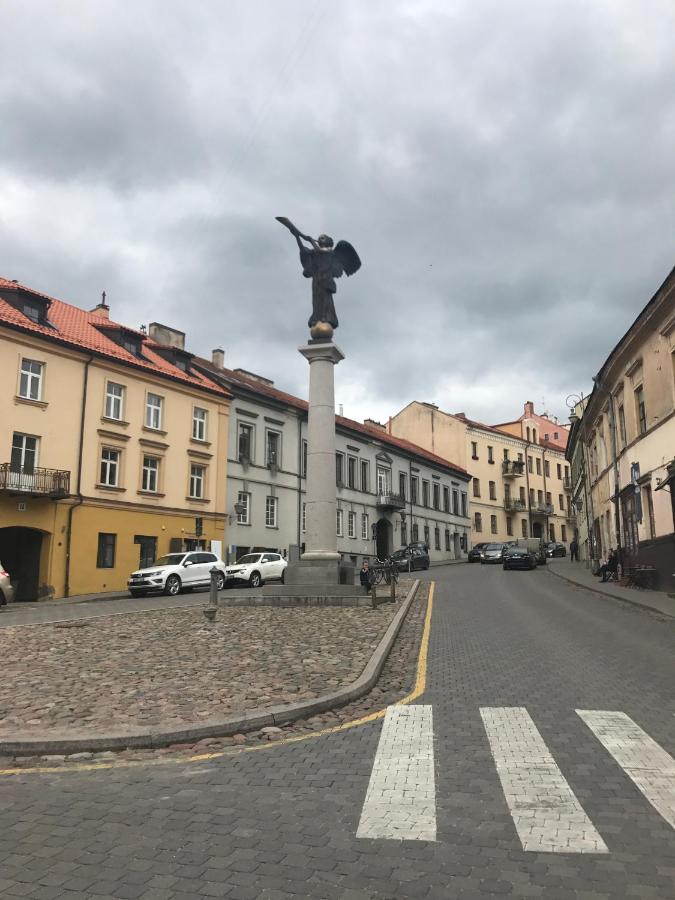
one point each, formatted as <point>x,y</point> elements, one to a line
<point>519,558</point>
<point>257,568</point>
<point>493,553</point>
<point>476,553</point>
<point>555,548</point>
<point>6,589</point>
<point>410,558</point>
<point>176,572</point>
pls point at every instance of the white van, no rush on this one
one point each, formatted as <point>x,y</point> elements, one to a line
<point>536,546</point>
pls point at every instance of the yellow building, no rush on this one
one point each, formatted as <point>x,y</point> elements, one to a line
<point>113,449</point>
<point>520,479</point>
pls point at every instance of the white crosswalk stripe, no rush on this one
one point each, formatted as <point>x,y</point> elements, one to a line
<point>547,815</point>
<point>641,758</point>
<point>401,798</point>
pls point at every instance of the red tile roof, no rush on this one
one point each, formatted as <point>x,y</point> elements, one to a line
<point>77,328</point>
<point>266,390</point>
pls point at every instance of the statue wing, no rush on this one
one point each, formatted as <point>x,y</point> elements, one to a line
<point>345,259</point>
<point>307,261</point>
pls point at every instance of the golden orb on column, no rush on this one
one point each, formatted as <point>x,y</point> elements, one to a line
<point>321,331</point>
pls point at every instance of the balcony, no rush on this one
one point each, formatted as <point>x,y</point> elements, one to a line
<point>34,482</point>
<point>512,469</point>
<point>390,500</point>
<point>513,504</point>
<point>567,483</point>
<point>542,509</point>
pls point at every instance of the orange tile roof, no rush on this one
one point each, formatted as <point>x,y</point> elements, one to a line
<point>82,330</point>
<point>266,390</point>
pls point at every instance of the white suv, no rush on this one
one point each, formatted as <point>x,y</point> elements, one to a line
<point>175,572</point>
<point>257,568</point>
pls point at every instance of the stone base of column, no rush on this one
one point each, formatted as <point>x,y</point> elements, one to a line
<point>320,573</point>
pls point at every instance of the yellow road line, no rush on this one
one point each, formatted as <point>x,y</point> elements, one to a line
<point>417,691</point>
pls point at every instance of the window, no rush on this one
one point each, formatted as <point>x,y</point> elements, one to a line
<point>351,472</point>
<point>153,411</point>
<point>551,532</point>
<point>522,495</point>
<point>272,449</point>
<point>30,384</point>
<point>527,431</point>
<point>110,465</point>
<point>425,493</point>
<point>546,436</point>
<point>493,490</point>
<point>402,485</point>
<point>476,487</point>
<point>556,435</point>
<point>245,442</point>
<point>437,538</point>
<point>529,465</point>
<point>32,311</point>
<point>364,526</point>
<point>509,526</point>
<point>197,478</point>
<point>561,501</point>
<point>455,502</point>
<point>563,534</point>
<point>491,455</point>
<point>24,454</point>
<point>303,462</point>
<point>446,499</point>
<point>622,425</point>
<point>199,419</point>
<point>150,474</point>
<point>523,525</point>
<point>567,472</point>
<point>414,483</point>
<point>493,524</point>
<point>105,557</point>
<point>477,522</point>
<point>437,495</point>
<point>506,454</point>
<point>415,536</point>
<point>474,450</point>
<point>114,400</point>
<point>270,512</point>
<point>338,522</point>
<point>531,496</point>
<point>339,469</point>
<point>538,463</point>
<point>365,476</point>
<point>548,498</point>
<point>447,539</point>
<point>383,480</point>
<point>304,517</point>
<point>540,496</point>
<point>559,470</point>
<point>148,550</point>
<point>641,412</point>
<point>351,524</point>
<point>426,535</point>
<point>547,468</point>
<point>464,505</point>
<point>534,435</point>
<point>244,504</point>
<point>404,534</point>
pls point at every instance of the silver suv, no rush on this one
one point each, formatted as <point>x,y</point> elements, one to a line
<point>176,572</point>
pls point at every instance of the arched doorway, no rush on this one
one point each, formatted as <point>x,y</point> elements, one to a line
<point>536,529</point>
<point>20,554</point>
<point>383,539</point>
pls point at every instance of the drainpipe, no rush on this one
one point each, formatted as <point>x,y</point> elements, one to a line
<point>69,531</point>
<point>527,486</point>
<point>543,470</point>
<point>299,504</point>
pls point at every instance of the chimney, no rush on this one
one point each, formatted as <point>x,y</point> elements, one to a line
<point>218,358</point>
<point>371,423</point>
<point>341,410</point>
<point>168,337</point>
<point>101,309</point>
<point>529,408</point>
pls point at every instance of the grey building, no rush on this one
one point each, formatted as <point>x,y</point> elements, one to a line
<point>389,491</point>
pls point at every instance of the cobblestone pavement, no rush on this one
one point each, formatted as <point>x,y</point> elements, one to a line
<point>576,694</point>
<point>170,669</point>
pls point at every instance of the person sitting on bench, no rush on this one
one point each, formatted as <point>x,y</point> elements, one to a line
<point>610,567</point>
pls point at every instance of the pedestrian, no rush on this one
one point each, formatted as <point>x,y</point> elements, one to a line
<point>611,565</point>
<point>365,576</point>
<point>574,551</point>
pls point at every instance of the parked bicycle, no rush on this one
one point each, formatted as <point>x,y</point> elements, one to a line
<point>384,570</point>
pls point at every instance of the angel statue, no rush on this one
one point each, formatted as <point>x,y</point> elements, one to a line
<point>323,263</point>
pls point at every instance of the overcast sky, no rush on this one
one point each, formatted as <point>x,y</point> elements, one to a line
<point>504,169</point>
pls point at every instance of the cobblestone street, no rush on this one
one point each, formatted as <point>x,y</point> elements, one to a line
<point>537,763</point>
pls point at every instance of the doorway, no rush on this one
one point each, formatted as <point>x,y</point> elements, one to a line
<point>383,538</point>
<point>536,529</point>
<point>20,555</point>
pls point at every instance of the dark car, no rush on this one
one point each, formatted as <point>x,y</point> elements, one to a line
<point>555,548</point>
<point>407,559</point>
<point>476,552</point>
<point>519,558</point>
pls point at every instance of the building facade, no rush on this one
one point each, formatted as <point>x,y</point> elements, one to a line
<point>628,432</point>
<point>389,491</point>
<point>520,484</point>
<point>112,447</point>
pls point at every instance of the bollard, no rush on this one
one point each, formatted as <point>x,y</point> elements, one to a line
<point>213,592</point>
<point>373,595</point>
<point>393,584</point>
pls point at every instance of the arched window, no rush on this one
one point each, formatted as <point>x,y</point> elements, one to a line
<point>528,432</point>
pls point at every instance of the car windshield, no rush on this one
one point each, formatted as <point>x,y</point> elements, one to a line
<point>517,551</point>
<point>494,546</point>
<point>248,559</point>
<point>400,554</point>
<point>171,559</point>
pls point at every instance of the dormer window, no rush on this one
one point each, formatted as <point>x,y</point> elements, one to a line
<point>33,306</point>
<point>131,346</point>
<point>32,311</point>
<point>177,357</point>
<point>123,337</point>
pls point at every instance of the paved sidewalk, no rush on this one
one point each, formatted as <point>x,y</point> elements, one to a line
<point>577,573</point>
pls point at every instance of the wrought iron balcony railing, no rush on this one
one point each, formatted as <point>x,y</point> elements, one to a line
<point>390,500</point>
<point>513,504</point>
<point>542,509</point>
<point>512,468</point>
<point>34,481</point>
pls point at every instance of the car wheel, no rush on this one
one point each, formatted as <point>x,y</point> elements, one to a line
<point>172,586</point>
<point>220,581</point>
<point>138,593</point>
<point>283,577</point>
<point>504,567</point>
<point>255,580</point>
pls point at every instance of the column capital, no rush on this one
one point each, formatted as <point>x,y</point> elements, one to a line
<point>324,350</point>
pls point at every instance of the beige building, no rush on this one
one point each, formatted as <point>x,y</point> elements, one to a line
<point>114,449</point>
<point>520,481</point>
<point>628,432</point>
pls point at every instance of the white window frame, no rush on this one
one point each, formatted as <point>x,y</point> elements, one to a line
<point>200,423</point>
<point>364,526</point>
<point>150,474</point>
<point>23,450</point>
<point>154,411</point>
<point>271,510</point>
<point>244,498</point>
<point>268,455</point>
<point>197,481</point>
<point>339,522</point>
<point>113,400</point>
<point>351,524</point>
<point>109,464</point>
<point>364,470</point>
<point>31,379</point>
<point>249,429</point>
